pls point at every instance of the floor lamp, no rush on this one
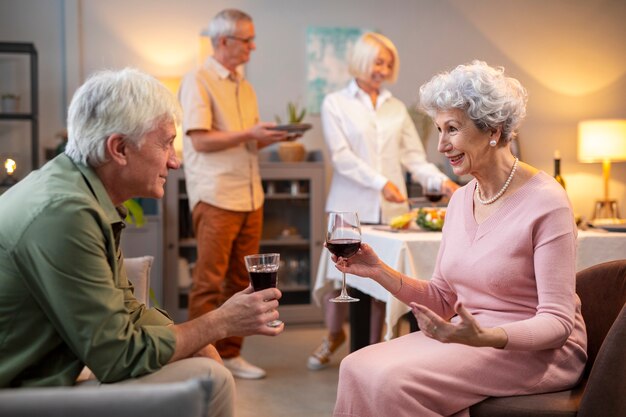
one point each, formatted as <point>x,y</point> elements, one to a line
<point>603,141</point>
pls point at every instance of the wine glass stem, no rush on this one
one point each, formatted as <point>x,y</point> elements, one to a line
<point>343,284</point>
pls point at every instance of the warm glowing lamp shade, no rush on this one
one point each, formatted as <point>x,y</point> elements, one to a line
<point>603,141</point>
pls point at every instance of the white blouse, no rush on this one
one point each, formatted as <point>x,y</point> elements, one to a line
<point>369,146</point>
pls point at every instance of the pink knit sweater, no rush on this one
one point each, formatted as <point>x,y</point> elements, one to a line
<point>516,271</point>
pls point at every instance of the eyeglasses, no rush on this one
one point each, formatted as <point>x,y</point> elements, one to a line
<point>246,41</point>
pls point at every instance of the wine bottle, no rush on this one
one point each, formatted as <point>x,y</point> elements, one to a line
<point>557,169</point>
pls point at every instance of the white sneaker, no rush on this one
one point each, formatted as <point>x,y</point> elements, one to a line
<point>320,358</point>
<point>241,368</point>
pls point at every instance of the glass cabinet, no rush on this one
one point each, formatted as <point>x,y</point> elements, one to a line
<point>293,226</point>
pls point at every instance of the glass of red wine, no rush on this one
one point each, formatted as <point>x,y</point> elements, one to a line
<point>263,272</point>
<point>434,189</point>
<point>343,239</point>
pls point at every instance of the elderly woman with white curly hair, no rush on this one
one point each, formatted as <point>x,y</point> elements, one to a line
<point>500,315</point>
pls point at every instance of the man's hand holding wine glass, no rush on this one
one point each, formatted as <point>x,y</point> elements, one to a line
<point>248,312</point>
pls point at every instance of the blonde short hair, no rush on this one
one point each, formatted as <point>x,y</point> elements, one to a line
<point>365,52</point>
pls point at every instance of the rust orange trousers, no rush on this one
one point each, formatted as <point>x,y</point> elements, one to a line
<point>224,237</point>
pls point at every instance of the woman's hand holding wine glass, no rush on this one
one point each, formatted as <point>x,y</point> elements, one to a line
<point>343,239</point>
<point>365,263</point>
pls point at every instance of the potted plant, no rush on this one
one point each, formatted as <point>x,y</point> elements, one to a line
<point>291,151</point>
<point>135,212</point>
<point>294,115</point>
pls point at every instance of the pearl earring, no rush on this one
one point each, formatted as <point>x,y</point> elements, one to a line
<point>493,143</point>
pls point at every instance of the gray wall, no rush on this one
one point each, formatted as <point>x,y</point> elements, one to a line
<point>568,53</point>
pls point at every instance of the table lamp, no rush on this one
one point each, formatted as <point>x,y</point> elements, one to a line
<point>603,141</point>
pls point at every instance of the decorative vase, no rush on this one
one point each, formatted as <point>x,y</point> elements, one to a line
<point>291,152</point>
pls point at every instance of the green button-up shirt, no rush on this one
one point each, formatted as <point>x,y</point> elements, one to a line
<point>65,300</point>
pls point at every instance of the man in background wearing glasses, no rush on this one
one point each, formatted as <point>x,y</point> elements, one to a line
<point>222,136</point>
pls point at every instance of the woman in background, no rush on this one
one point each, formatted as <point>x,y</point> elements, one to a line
<point>500,315</point>
<point>371,139</point>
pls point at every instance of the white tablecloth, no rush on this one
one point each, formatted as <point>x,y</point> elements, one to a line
<point>414,253</point>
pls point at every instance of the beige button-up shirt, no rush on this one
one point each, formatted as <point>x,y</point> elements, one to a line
<point>212,99</point>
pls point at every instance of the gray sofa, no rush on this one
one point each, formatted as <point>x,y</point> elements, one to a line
<point>180,399</point>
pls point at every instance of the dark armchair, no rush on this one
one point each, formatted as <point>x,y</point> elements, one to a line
<point>602,390</point>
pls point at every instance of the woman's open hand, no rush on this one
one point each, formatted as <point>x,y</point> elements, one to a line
<point>467,331</point>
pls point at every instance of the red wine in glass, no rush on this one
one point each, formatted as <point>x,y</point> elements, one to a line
<point>343,239</point>
<point>434,197</point>
<point>263,272</point>
<point>343,247</point>
<point>434,189</point>
<point>263,280</point>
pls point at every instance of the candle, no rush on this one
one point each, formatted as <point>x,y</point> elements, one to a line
<point>10,166</point>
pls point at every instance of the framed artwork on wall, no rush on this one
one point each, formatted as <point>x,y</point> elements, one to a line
<point>327,51</point>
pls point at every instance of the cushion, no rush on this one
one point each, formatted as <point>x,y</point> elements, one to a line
<point>138,271</point>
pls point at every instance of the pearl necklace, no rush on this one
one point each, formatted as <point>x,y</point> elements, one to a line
<point>502,190</point>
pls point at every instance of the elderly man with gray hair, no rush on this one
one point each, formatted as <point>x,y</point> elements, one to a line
<point>222,136</point>
<point>65,299</point>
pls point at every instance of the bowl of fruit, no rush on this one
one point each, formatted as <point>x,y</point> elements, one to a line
<point>403,221</point>
<point>431,218</point>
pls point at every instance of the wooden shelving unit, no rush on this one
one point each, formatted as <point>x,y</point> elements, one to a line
<point>293,226</point>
